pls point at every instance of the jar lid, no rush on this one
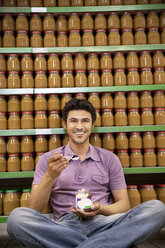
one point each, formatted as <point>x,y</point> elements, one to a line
<point>158,51</point>
<point>40,55</point>
<point>40,72</point>
<point>161,150</point>
<point>92,54</point>
<point>40,94</point>
<point>139,29</point>
<point>146,69</point>
<point>2,55</point>
<point>35,14</point>
<point>40,112</point>
<point>53,71</point>
<point>160,132</point>
<point>80,71</point>
<point>54,112</point>
<point>149,150</point>
<point>13,137</point>
<point>27,136</point>
<point>120,93</point>
<point>106,70</point>
<point>121,133</point>
<point>147,186</point>
<point>2,72</point>
<point>13,72</point>
<point>79,54</point>
<point>116,70</point>
<point>134,133</point>
<point>10,191</point>
<point>106,110</point>
<point>93,93</point>
<point>9,32</point>
<point>49,32</point>
<point>118,53</point>
<point>149,132</point>
<point>26,190</point>
<point>132,52</point>
<point>2,113</point>
<point>36,32</point>
<point>93,71</point>
<point>126,30</point>
<point>22,31</point>
<point>74,13</point>
<point>61,32</point>
<point>54,135</point>
<point>146,91</point>
<point>146,109</point>
<point>106,53</point>
<point>27,112</point>
<point>66,54</point>
<point>132,186</point>
<point>132,69</point>
<point>2,155</point>
<point>153,29</point>
<point>67,71</point>
<point>160,185</point>
<point>39,153</point>
<point>27,95</point>
<point>97,110</point>
<point>40,136</point>
<point>48,14</point>
<point>159,109</point>
<point>135,150</point>
<point>143,52</point>
<point>120,110</point>
<point>159,68</point>
<point>100,30</point>
<point>104,134</point>
<point>87,13</point>
<point>88,31</point>
<point>27,72</point>
<point>132,92</point>
<point>27,154</point>
<point>113,30</point>
<point>74,31</point>
<point>26,55</point>
<point>13,154</point>
<point>133,109</point>
<point>53,54</point>
<point>124,150</point>
<point>14,113</point>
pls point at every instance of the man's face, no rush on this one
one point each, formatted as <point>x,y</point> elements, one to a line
<point>79,126</point>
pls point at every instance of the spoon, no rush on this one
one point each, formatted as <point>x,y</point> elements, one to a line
<point>74,158</point>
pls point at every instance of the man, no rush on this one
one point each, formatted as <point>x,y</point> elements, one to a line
<point>58,176</point>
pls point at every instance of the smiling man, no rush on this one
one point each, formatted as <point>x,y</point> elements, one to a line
<point>109,223</point>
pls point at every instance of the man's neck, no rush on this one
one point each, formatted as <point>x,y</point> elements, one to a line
<point>80,149</point>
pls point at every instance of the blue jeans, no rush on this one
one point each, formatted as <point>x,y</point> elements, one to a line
<point>32,229</point>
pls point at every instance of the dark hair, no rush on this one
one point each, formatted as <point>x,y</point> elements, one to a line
<point>78,104</point>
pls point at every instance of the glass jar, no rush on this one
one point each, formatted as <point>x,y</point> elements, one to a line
<point>132,60</point>
<point>24,197</point>
<point>2,63</point>
<point>36,39</point>
<point>80,95</point>
<point>3,121</point>
<point>95,140</point>
<point>146,76</point>
<point>26,62</point>
<point>108,141</point>
<point>64,3</point>
<point>139,20</point>
<point>61,24</point>
<point>8,39</point>
<point>145,59</point>
<point>161,192</point>
<point>106,77</point>
<point>107,118</point>
<point>158,59</point>
<point>101,37</point>
<point>3,83</point>
<point>120,117</point>
<point>13,80</point>
<point>54,120</point>
<point>27,80</point>
<point>113,20</point>
<point>49,23</point>
<point>8,23</point>
<point>103,2</point>
<point>159,76</point>
<point>136,158</point>
<point>134,195</point>
<point>80,79</point>
<point>152,20</point>
<point>116,2</point>
<point>65,98</point>
<point>53,102</point>
<point>114,37</point>
<point>27,162</point>
<point>121,141</point>
<point>160,140</point>
<point>124,158</point>
<point>161,157</point>
<point>40,63</point>
<point>159,116</point>
<point>140,36</point>
<point>98,118</point>
<point>105,61</point>
<point>119,61</point>
<point>133,76</point>
<point>40,102</point>
<point>13,144</point>
<point>92,61</point>
<point>36,3</point>
<point>14,120</point>
<point>147,117</point>
<point>106,100</point>
<point>90,2</point>
<point>40,120</point>
<point>135,140</point>
<point>162,36</point>
<point>54,141</point>
<point>66,62</point>
<point>40,79</point>
<point>88,38</point>
<point>146,100</point>
<point>35,23</point>
<point>22,22</point>
<point>54,79</point>
<point>134,117</point>
<point>94,99</point>
<point>53,62</point>
<point>67,79</point>
<point>38,155</point>
<point>13,63</point>
<point>162,19</point>
<point>119,77</point>
<point>10,201</point>
<point>2,144</point>
<point>120,100</point>
<point>74,38</point>
<point>3,104</point>
<point>87,21</point>
<point>41,144</point>
<point>148,140</point>
<point>74,22</point>
<point>62,39</point>
<point>127,37</point>
<point>49,39</point>
<point>24,3</point>
<point>149,158</point>
<point>93,78</point>
<point>27,144</point>
<point>132,100</point>
<point>26,103</point>
<point>100,21</point>
<point>22,39</point>
<point>80,62</point>
<point>147,193</point>
<point>13,162</point>
<point>3,166</point>
<point>126,20</point>
<point>153,36</point>
<point>27,120</point>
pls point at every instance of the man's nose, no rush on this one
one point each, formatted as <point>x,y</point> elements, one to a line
<point>79,125</point>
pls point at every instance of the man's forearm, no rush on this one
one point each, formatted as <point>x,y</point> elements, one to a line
<point>114,208</point>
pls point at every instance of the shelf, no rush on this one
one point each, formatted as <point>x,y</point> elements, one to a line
<point>15,50</point>
<point>17,91</point>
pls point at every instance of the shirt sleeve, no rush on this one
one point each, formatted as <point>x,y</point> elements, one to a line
<point>40,171</point>
<point>117,178</point>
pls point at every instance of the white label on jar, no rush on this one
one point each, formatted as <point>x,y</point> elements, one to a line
<point>83,203</point>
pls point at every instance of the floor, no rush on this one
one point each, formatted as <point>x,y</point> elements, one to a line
<point>158,240</point>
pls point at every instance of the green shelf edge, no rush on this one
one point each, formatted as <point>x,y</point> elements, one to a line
<point>16,50</point>
<point>113,129</point>
<point>3,219</point>
<point>15,9</point>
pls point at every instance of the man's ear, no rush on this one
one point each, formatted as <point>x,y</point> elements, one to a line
<point>64,124</point>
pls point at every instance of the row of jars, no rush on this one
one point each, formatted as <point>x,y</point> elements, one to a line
<point>87,38</point>
<point>87,21</point>
<point>68,3</point>
<point>80,61</point>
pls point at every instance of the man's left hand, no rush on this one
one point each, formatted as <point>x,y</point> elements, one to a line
<point>87,214</point>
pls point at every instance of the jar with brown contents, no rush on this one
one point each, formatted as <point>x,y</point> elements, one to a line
<point>121,141</point>
<point>36,3</point>
<point>161,157</point>
<point>94,99</point>
<point>53,102</point>
<point>40,120</point>
<point>90,2</point>
<point>103,2</point>
<point>98,118</point>
<point>13,144</point>
<point>22,39</point>
<point>8,39</point>
<point>113,21</point>
<point>54,79</point>
<point>64,99</point>
<point>152,19</point>
<point>24,197</point>
<point>13,162</point>
<point>74,38</point>
<point>162,36</point>
<point>9,3</point>
<point>146,76</point>
<point>106,100</point>
<point>136,158</point>
<point>92,62</point>
<point>40,102</point>
<point>116,2</point>
<point>139,20</point>
<point>40,79</point>
<point>24,3</point>
<point>101,37</point>
<point>88,38</point>
<point>132,60</point>
<point>2,62</point>
<point>27,144</point>
<point>159,76</point>
<point>80,95</point>
<point>66,62</point>
<point>114,37</point>
<point>22,22</point>
<point>49,23</point>
<point>129,2</point>
<point>160,140</point>
<point>10,202</point>
<point>93,78</point>
<point>106,77</point>
<point>49,39</point>
<point>134,117</point>
<point>3,104</point>
<point>54,120</point>
<point>61,24</point>
<point>119,61</point>
<point>27,80</point>
<point>107,118</point>
<point>132,100</point>
<point>80,62</point>
<point>53,62</point>
<point>127,37</point>
<point>26,62</point>
<point>26,103</point>
<point>145,59</point>
<point>8,23</point>
<point>62,39</point>
<point>2,144</point>
<point>80,79</point>
<point>27,120</point>
<point>149,158</point>
<point>13,63</point>
<point>36,39</point>
<point>3,82</point>
<point>77,3</point>
<point>148,140</point>
<point>120,117</point>
<point>41,144</point>
<point>158,59</point>
<point>100,21</point>
<point>126,21</point>
<point>162,19</point>
<point>35,23</point>
<point>40,63</point>
<point>54,141</point>
<point>140,36</point>
<point>161,192</point>
<point>14,121</point>
<point>13,80</point>
<point>74,22</point>
<point>3,166</point>
<point>119,77</point>
<point>95,140</point>
<point>108,141</point>
<point>146,100</point>
<point>124,158</point>
<point>135,140</point>
<point>27,162</point>
<point>159,116</point>
<point>3,121</point>
<point>134,195</point>
<point>105,61</point>
<point>67,79</point>
<point>153,36</point>
<point>147,117</point>
<point>147,193</point>
<point>87,22</point>
<point>120,100</point>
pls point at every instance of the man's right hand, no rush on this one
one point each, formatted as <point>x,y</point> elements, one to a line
<point>56,164</point>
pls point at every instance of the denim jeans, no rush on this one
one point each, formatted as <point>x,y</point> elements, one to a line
<point>32,229</point>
